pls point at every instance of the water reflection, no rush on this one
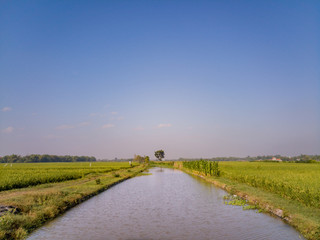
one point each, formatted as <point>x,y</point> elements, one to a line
<point>159,170</point>
<point>168,204</point>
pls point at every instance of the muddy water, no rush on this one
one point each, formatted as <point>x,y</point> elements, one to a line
<point>168,204</point>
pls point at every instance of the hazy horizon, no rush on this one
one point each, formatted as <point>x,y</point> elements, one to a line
<point>194,78</point>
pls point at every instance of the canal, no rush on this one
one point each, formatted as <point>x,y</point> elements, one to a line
<point>168,204</point>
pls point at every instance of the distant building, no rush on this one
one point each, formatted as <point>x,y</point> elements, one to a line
<point>276,159</point>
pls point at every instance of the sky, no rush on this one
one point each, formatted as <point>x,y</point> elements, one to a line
<point>112,79</point>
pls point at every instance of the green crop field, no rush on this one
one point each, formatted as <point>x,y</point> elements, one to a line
<point>296,181</point>
<point>21,175</point>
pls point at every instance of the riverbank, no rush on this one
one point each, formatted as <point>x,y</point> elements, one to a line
<point>39,204</point>
<point>305,219</point>
<point>165,204</point>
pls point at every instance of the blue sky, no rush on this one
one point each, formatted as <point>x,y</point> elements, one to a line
<point>195,78</point>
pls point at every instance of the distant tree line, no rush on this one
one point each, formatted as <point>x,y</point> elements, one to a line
<point>299,159</point>
<point>115,160</point>
<point>36,158</point>
<point>213,159</point>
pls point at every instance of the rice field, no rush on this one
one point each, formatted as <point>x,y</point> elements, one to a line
<point>19,175</point>
<point>295,181</point>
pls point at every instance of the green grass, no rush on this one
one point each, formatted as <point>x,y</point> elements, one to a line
<point>299,182</point>
<point>41,203</point>
<point>29,174</point>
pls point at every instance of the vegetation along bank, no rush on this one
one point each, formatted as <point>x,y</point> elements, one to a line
<point>290,191</point>
<point>22,210</point>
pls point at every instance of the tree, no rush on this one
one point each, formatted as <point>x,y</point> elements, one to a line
<point>146,159</point>
<point>159,154</point>
<point>138,158</point>
<point>12,158</point>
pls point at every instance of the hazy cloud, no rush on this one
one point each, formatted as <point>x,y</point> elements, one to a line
<point>97,114</point>
<point>162,125</point>
<point>139,128</point>
<point>83,124</point>
<point>64,127</point>
<point>116,118</point>
<point>8,130</point>
<point>114,113</point>
<point>51,136</point>
<point>6,109</point>
<point>109,125</point>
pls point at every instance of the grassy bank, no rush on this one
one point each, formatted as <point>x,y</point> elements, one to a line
<point>168,164</point>
<point>43,202</point>
<point>305,218</point>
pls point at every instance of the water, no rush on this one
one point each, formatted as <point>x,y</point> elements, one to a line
<point>168,204</point>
